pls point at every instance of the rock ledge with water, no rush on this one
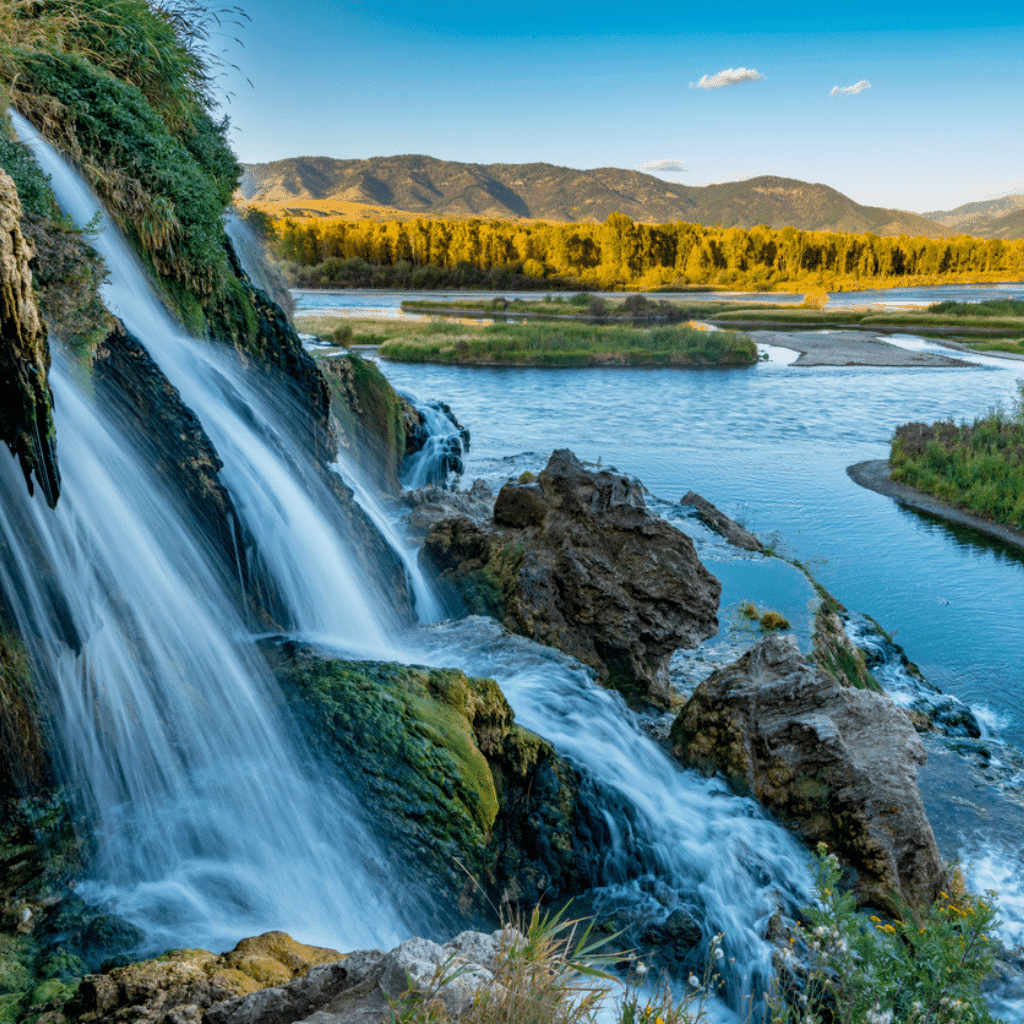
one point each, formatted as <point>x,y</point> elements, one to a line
<point>835,763</point>
<point>574,560</point>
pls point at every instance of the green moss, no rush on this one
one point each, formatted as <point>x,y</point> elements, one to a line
<point>451,782</point>
<point>32,184</point>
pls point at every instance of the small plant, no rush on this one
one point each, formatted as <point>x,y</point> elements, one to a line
<point>773,621</point>
<point>341,335</point>
<point>658,1005</point>
<point>526,477</point>
<point>860,970</point>
<point>749,610</point>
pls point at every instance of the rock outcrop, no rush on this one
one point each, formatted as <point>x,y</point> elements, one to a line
<point>272,979</point>
<point>26,419</point>
<point>448,774</point>
<point>715,519</point>
<point>574,560</point>
<point>835,763</point>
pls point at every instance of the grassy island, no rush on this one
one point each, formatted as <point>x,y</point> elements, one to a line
<point>978,466</point>
<point>544,344</point>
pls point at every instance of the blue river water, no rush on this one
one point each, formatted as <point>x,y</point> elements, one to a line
<point>387,304</point>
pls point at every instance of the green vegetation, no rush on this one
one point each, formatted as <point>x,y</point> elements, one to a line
<point>978,466</point>
<point>991,307</point>
<point>541,344</point>
<point>842,967</point>
<point>769,620</point>
<point>620,253</point>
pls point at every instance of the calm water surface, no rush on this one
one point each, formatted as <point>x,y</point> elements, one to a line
<point>387,304</point>
<point>770,444</point>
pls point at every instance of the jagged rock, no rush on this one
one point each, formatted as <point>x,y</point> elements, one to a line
<point>432,504</point>
<point>26,419</point>
<point>177,987</point>
<point>835,763</point>
<point>451,778</point>
<point>718,521</point>
<point>362,988</point>
<point>574,560</point>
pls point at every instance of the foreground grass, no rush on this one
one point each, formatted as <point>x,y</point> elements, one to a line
<point>978,466</point>
<point>572,345</point>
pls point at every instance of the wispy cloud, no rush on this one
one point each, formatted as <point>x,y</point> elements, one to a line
<point>851,90</point>
<point>730,76</point>
<point>663,165</point>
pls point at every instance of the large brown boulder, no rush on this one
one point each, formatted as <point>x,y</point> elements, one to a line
<point>835,763</point>
<point>574,560</point>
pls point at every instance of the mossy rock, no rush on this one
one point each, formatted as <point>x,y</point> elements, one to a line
<point>368,417</point>
<point>446,775</point>
<point>834,651</point>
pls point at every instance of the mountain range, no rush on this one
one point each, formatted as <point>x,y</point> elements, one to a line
<point>424,186</point>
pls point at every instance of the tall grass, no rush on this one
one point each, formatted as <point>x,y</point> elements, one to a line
<point>978,466</point>
<point>568,345</point>
<point>991,307</point>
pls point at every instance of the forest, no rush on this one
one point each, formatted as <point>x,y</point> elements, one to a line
<point>621,253</point>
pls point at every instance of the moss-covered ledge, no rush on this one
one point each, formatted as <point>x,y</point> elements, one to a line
<point>448,779</point>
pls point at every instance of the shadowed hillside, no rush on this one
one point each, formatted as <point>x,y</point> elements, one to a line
<point>440,188</point>
<point>991,218</point>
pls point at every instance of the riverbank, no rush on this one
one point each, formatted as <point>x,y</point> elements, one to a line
<point>849,348</point>
<point>874,475</point>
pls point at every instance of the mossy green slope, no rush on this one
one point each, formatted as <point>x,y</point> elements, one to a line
<point>447,777</point>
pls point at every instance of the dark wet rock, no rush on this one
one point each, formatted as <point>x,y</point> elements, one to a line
<point>836,764</point>
<point>26,418</point>
<point>575,560</point>
<point>718,521</point>
<point>448,777</point>
<point>432,504</point>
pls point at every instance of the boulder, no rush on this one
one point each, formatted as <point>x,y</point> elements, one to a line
<point>715,519</point>
<point>574,560</point>
<point>432,504</point>
<point>483,811</point>
<point>178,986</point>
<point>835,763</point>
<point>366,986</point>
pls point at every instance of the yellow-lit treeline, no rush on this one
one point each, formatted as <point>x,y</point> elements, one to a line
<point>621,252</point>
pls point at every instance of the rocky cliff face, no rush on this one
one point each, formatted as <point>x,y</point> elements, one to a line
<point>574,560</point>
<point>836,763</point>
<point>26,422</point>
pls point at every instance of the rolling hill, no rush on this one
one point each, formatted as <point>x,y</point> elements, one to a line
<point>421,185</point>
<point>991,218</point>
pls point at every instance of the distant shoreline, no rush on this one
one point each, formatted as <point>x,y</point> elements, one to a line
<point>874,476</point>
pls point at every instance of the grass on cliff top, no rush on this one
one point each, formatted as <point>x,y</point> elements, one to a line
<point>978,466</point>
<point>570,345</point>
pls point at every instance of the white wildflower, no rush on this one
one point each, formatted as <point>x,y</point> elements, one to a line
<point>641,968</point>
<point>694,981</point>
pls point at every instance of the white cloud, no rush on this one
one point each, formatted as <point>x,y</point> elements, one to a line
<point>663,165</point>
<point>851,90</point>
<point>730,76</point>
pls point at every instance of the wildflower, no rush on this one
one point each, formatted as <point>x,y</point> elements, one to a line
<point>718,955</point>
<point>694,981</point>
<point>641,968</point>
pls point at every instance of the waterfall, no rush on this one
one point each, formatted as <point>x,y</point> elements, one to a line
<point>165,715</point>
<point>674,840</point>
<point>445,442</point>
<point>270,478</point>
<point>426,605</point>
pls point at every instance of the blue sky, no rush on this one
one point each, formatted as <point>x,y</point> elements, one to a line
<point>591,85</point>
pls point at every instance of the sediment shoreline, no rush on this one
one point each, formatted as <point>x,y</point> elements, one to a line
<point>874,475</point>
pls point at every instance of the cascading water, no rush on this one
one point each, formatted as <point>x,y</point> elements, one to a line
<point>445,442</point>
<point>275,489</point>
<point>425,603</point>
<point>206,828</point>
<point>674,840</point>
<point>678,841</point>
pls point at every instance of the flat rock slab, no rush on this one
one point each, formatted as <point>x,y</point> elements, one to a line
<point>874,476</point>
<point>849,348</point>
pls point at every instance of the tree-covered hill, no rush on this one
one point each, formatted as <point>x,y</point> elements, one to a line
<point>441,188</point>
